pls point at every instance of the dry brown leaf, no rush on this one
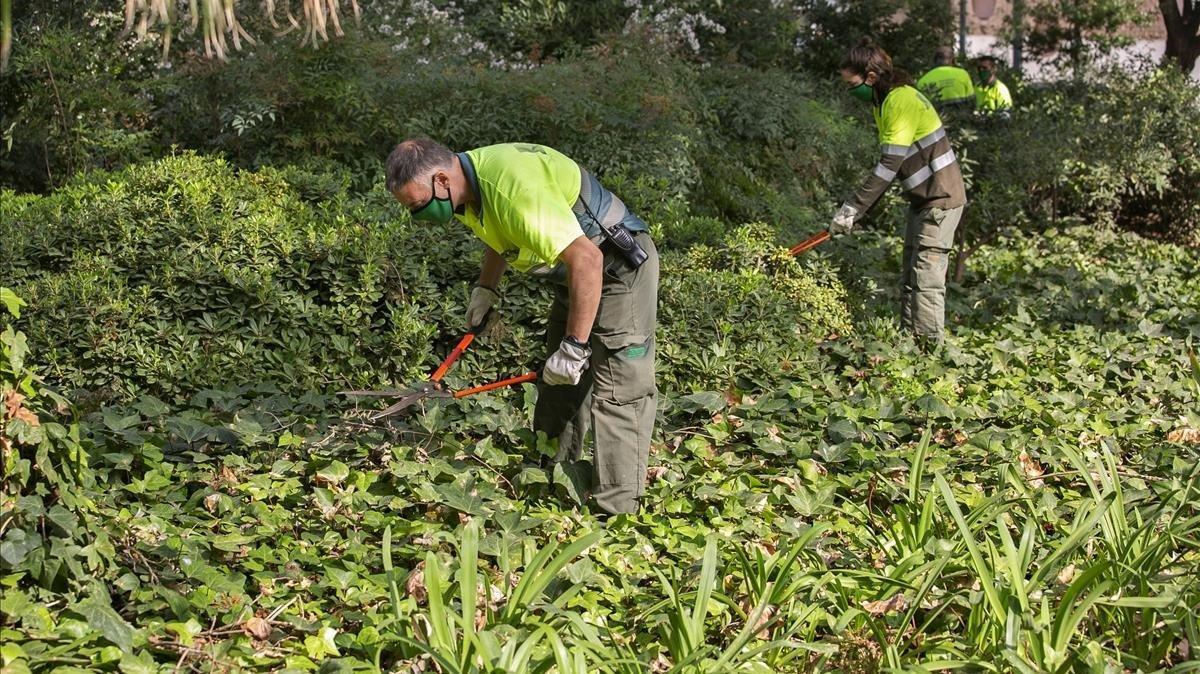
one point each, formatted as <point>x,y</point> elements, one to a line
<point>762,625</point>
<point>1187,436</point>
<point>28,417</point>
<point>415,587</point>
<point>211,501</point>
<point>1067,574</point>
<point>496,599</point>
<point>661,664</point>
<point>14,409</point>
<point>656,473</point>
<point>257,627</point>
<point>829,556</point>
<point>1033,470</point>
<point>12,403</point>
<point>885,606</point>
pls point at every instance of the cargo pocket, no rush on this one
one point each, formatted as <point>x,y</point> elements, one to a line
<point>624,375</point>
<point>628,302</point>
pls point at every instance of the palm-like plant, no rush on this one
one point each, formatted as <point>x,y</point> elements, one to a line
<point>221,27</point>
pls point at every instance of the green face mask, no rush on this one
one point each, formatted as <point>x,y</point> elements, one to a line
<point>863,92</point>
<point>437,210</point>
<point>985,76</point>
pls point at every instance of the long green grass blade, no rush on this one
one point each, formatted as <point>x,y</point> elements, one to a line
<point>539,575</point>
<point>708,580</point>
<point>986,579</point>
<point>441,637</point>
<point>468,557</point>
<point>390,573</point>
<point>916,471</point>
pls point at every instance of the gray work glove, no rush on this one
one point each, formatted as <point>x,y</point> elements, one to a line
<point>482,301</point>
<point>843,220</point>
<point>566,365</point>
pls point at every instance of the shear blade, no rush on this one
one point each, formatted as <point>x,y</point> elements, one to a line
<point>428,390</point>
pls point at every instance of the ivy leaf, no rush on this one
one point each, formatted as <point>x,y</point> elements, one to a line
<point>843,430</point>
<point>334,473</point>
<point>459,498</point>
<point>11,301</point>
<point>142,663</point>
<point>16,545</point>
<point>575,478</point>
<point>17,347</point>
<point>102,618</point>
<point>934,406</point>
<point>710,401</point>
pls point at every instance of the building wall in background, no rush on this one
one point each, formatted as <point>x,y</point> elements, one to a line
<point>1152,30</point>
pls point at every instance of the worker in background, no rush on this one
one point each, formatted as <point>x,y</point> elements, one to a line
<point>991,95</point>
<point>947,85</point>
<point>915,150</point>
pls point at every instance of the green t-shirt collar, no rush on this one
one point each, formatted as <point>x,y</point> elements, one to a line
<point>472,180</point>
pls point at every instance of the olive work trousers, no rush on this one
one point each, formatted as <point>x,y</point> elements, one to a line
<point>927,243</point>
<point>616,397</point>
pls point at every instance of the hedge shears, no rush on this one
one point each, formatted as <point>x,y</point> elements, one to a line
<point>810,243</point>
<point>434,387</point>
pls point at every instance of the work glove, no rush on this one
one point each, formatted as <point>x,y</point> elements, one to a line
<point>843,220</point>
<point>482,301</point>
<point>566,365</point>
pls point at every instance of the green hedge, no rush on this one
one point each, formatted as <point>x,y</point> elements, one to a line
<point>1123,151</point>
<point>186,273</point>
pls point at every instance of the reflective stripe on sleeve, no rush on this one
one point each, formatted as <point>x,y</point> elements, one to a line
<point>895,150</point>
<point>926,172</point>
<point>932,138</point>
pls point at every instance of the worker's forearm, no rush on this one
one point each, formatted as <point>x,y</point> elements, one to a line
<point>876,183</point>
<point>584,280</point>
<point>492,269</point>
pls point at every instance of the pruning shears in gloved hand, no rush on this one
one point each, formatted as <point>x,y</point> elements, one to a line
<point>843,220</point>
<point>565,367</point>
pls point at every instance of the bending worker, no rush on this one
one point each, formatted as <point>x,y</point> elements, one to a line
<point>947,85</point>
<point>991,95</point>
<point>914,148</point>
<point>540,212</point>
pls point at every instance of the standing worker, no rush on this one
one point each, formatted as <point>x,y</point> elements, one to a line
<point>991,95</point>
<point>914,148</point>
<point>540,212</point>
<point>947,85</point>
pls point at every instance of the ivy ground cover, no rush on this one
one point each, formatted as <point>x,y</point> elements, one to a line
<point>823,496</point>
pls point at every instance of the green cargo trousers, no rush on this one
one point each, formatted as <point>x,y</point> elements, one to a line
<point>616,397</point>
<point>927,243</point>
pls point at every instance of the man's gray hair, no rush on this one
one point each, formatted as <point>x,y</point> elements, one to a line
<point>943,56</point>
<point>414,158</point>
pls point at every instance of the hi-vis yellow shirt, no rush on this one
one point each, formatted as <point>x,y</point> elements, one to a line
<point>526,192</point>
<point>993,98</point>
<point>914,148</point>
<point>905,117</point>
<point>948,84</point>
